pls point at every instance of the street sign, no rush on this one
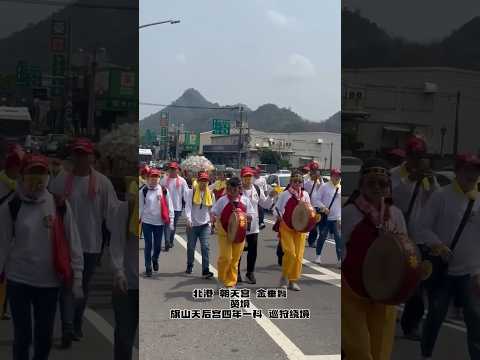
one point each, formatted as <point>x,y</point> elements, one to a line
<point>58,65</point>
<point>164,119</point>
<point>59,27</point>
<point>221,127</point>
<point>23,74</point>
<point>57,44</point>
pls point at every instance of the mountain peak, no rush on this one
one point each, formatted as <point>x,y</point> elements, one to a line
<point>192,97</point>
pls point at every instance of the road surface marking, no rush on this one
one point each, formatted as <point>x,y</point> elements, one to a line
<point>288,347</point>
<point>447,322</point>
<point>104,328</point>
<point>324,278</point>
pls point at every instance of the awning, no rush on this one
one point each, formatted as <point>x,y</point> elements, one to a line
<point>396,129</point>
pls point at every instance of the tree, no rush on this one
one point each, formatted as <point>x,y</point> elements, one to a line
<point>273,158</point>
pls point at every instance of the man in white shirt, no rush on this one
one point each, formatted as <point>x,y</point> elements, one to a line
<point>311,185</point>
<point>258,200</point>
<point>328,201</point>
<point>199,201</point>
<point>230,251</point>
<point>177,188</point>
<point>440,226</point>
<point>156,214</point>
<point>262,185</point>
<point>93,201</point>
<point>412,186</point>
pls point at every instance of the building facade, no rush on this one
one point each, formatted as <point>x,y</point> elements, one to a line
<point>381,107</point>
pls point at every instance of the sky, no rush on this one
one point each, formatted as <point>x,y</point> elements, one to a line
<point>422,21</point>
<point>250,51</point>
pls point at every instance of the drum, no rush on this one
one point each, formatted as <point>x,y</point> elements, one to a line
<point>237,226</point>
<point>392,269</point>
<point>304,217</point>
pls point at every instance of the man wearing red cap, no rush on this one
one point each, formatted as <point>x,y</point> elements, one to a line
<point>327,201</point>
<point>156,214</point>
<point>311,185</point>
<point>258,200</point>
<point>450,226</point>
<point>177,188</point>
<point>93,200</point>
<point>412,185</point>
<point>35,229</point>
<point>199,201</point>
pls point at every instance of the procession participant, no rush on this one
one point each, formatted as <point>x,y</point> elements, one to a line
<point>198,203</point>
<point>41,248</point>
<point>229,249</point>
<point>8,181</point>
<point>292,241</point>
<point>305,172</point>
<point>258,200</point>
<point>310,185</point>
<point>177,188</point>
<point>144,170</point>
<point>328,202</point>
<point>219,187</point>
<point>262,184</point>
<point>156,213</point>
<point>93,201</point>
<point>368,327</point>
<point>412,185</point>
<point>450,225</point>
<point>124,256</point>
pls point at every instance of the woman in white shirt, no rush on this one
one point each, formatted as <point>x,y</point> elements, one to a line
<point>368,328</point>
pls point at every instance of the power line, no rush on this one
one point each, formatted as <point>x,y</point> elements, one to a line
<point>192,107</point>
<point>57,3</point>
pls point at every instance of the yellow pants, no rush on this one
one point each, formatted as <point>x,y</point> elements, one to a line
<point>293,246</point>
<point>368,329</point>
<point>229,255</point>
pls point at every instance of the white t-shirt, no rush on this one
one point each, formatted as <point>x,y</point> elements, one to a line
<point>224,200</point>
<point>150,210</point>
<point>283,199</point>
<point>197,215</point>
<point>177,193</point>
<point>89,213</point>
<point>323,197</point>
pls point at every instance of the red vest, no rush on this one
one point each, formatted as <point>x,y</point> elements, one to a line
<point>227,211</point>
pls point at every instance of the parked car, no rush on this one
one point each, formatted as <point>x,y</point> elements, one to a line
<point>280,180</point>
<point>444,177</point>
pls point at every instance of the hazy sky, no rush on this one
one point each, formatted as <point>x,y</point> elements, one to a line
<point>422,21</point>
<point>249,51</point>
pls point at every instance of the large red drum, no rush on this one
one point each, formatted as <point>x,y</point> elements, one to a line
<point>390,270</point>
<point>304,218</point>
<point>237,226</point>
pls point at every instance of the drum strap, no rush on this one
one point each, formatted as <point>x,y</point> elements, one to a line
<point>412,201</point>
<point>459,231</point>
<point>333,199</point>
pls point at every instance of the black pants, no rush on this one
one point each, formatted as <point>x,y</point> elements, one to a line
<point>252,243</point>
<point>414,307</point>
<point>126,323</point>
<point>23,298</point>
<point>89,267</point>
<point>279,253</point>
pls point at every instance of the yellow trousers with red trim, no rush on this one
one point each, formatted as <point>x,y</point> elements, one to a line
<point>368,329</point>
<point>229,254</point>
<point>293,246</point>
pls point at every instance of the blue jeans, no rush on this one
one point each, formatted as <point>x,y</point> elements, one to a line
<point>152,233</point>
<point>29,303</point>
<point>323,230</point>
<point>439,301</point>
<point>313,236</point>
<point>169,234</point>
<point>201,233</point>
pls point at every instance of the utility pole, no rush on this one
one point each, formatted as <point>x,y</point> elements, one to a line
<point>240,139</point>
<point>455,136</point>
<point>331,154</point>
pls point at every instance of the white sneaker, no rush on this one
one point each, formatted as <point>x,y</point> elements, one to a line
<point>294,286</point>
<point>318,259</point>
<point>283,282</point>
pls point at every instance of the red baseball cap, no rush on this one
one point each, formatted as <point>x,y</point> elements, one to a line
<point>144,170</point>
<point>467,159</point>
<point>154,173</point>
<point>247,171</point>
<point>35,161</point>
<point>82,145</point>
<point>335,172</point>
<point>314,165</point>
<point>415,145</point>
<point>397,152</point>
<point>173,165</point>
<point>203,176</point>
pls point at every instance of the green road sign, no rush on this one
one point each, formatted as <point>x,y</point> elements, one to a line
<point>221,127</point>
<point>23,74</point>
<point>58,65</point>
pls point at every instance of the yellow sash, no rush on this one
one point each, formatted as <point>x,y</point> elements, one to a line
<point>197,198</point>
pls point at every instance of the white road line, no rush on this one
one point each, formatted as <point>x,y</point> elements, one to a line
<point>448,323</point>
<point>104,328</point>
<point>324,278</point>
<point>288,347</point>
<point>321,269</point>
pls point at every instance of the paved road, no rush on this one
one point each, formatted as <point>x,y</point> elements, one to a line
<point>98,328</point>
<point>451,343</point>
<point>246,338</point>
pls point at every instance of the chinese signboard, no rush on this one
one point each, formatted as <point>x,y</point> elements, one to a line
<point>221,127</point>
